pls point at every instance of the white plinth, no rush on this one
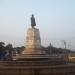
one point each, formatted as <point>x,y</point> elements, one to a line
<point>33,42</point>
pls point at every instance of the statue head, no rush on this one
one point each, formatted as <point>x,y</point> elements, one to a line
<point>32,15</point>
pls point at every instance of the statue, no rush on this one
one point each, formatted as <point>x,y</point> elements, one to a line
<point>33,23</point>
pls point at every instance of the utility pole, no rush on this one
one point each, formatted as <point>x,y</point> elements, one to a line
<point>66,52</point>
<point>69,46</point>
<point>64,42</point>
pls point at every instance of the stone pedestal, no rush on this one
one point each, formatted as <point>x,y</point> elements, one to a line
<point>33,42</point>
<point>33,48</point>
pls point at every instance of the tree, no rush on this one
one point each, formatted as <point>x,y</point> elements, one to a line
<point>2,50</point>
<point>9,50</point>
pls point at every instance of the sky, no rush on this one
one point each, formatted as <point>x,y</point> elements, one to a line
<point>54,18</point>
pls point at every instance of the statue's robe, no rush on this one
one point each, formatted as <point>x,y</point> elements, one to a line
<point>33,23</point>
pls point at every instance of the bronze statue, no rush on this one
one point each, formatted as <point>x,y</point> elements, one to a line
<point>33,23</point>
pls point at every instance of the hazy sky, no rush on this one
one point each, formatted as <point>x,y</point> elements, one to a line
<point>54,18</point>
